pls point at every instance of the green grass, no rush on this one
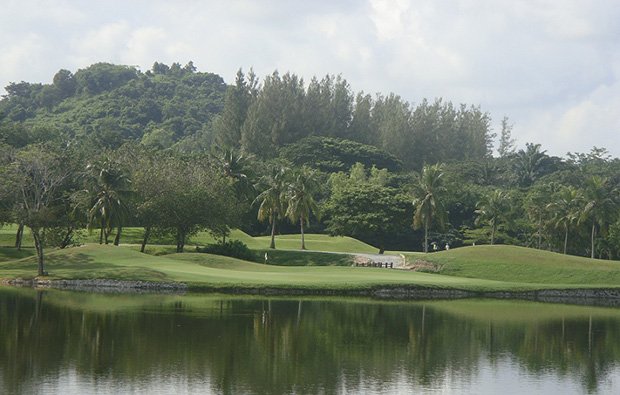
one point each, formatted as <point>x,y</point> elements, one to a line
<point>527,265</point>
<point>205,270</point>
<point>305,258</point>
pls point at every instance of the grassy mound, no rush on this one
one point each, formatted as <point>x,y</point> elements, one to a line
<point>511,263</point>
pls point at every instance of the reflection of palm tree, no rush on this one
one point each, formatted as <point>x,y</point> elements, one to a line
<point>492,208</point>
<point>273,186</point>
<point>110,190</point>
<point>600,207</point>
<point>567,210</point>
<point>301,203</point>
<point>428,206</point>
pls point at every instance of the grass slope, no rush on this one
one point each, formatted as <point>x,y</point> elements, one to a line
<point>512,263</point>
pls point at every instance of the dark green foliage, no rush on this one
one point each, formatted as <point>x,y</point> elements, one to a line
<point>234,249</point>
<point>332,155</point>
<point>107,105</point>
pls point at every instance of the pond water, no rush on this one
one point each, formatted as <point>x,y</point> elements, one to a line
<point>63,342</point>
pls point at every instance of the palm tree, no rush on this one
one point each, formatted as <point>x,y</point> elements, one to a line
<point>600,207</point>
<point>237,168</point>
<point>301,203</point>
<point>529,163</point>
<point>110,190</point>
<point>272,199</point>
<point>428,206</point>
<point>492,209</point>
<point>566,209</point>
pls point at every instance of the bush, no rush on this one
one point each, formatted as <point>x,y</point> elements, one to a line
<point>234,249</point>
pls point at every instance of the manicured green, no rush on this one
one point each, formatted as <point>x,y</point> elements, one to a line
<point>528,265</point>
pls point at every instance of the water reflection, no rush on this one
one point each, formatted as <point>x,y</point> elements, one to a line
<point>69,342</point>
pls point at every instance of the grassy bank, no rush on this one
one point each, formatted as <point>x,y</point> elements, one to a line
<point>483,268</point>
<point>511,263</point>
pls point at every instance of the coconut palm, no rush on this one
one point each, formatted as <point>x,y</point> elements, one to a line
<point>110,189</point>
<point>427,200</point>
<point>301,201</point>
<point>272,198</point>
<point>492,209</point>
<point>567,209</point>
<point>600,208</point>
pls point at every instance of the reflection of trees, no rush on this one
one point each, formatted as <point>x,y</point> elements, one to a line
<point>282,346</point>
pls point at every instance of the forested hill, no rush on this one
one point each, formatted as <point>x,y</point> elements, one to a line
<point>178,107</point>
<point>110,104</point>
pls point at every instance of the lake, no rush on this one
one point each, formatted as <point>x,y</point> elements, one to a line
<point>67,342</point>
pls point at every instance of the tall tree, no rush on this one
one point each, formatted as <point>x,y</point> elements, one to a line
<point>229,123</point>
<point>536,206</point>
<point>37,176</point>
<point>600,207</point>
<point>506,142</point>
<point>492,209</point>
<point>427,200</point>
<point>528,164</point>
<point>567,209</point>
<point>272,199</point>
<point>300,196</point>
<point>111,189</point>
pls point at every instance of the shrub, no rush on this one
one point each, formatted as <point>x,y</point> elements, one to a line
<point>234,249</point>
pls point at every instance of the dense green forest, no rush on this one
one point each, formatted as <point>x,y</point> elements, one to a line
<point>176,150</point>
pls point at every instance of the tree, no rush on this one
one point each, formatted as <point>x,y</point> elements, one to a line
<point>366,211</point>
<point>537,208</point>
<point>492,209</point>
<point>506,142</point>
<point>229,123</point>
<point>272,200</point>
<point>528,164</point>
<point>427,200</point>
<point>37,175</point>
<point>192,197</point>
<point>301,203</point>
<point>237,169</point>
<point>567,210</point>
<point>600,208</point>
<point>110,189</point>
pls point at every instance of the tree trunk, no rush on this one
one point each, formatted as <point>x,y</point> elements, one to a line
<point>101,232</point>
<point>381,242</point>
<point>38,245</point>
<point>180,241</point>
<point>493,234</point>
<point>147,232</point>
<point>303,242</point>
<point>19,236</point>
<point>592,238</point>
<point>566,240</point>
<point>273,232</point>
<point>540,223</point>
<point>425,237</point>
<point>117,239</point>
<point>67,238</point>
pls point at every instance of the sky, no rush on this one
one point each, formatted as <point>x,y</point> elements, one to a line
<point>551,66</point>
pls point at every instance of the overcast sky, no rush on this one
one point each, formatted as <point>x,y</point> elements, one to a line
<point>551,66</point>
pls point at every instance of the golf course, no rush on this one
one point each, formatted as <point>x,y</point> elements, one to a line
<point>328,266</point>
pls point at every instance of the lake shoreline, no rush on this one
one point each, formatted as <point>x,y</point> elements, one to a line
<point>582,296</point>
